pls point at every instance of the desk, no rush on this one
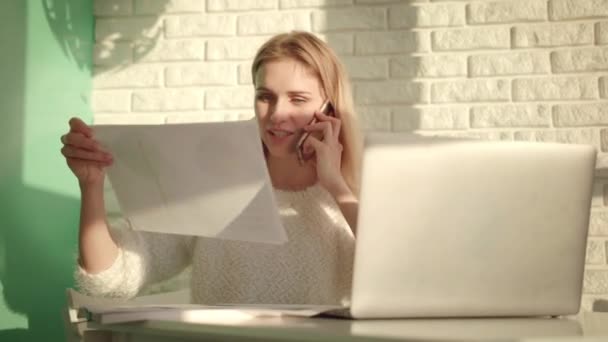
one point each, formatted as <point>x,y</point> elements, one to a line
<point>586,327</point>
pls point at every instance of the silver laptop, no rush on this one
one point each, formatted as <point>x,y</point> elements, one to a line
<point>467,228</point>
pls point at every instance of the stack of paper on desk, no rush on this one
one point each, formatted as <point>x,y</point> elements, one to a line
<point>107,311</point>
<point>204,179</point>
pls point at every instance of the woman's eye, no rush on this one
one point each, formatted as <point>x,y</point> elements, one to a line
<point>263,97</point>
<point>299,100</point>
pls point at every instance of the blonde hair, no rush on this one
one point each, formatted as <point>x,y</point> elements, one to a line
<point>319,58</point>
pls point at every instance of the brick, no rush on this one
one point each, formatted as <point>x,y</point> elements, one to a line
<point>168,7</point>
<point>585,60</point>
<point>598,223</point>
<point>240,5</point>
<point>341,43</point>
<point>597,198</point>
<point>428,66</point>
<point>556,88</point>
<point>577,9</point>
<point>207,116</point>
<point>244,73</point>
<point>421,16</point>
<point>112,53</point>
<point>170,50</point>
<point>601,31</point>
<point>510,116</point>
<point>469,91</point>
<point>167,100</point>
<point>512,63</point>
<point>429,118</point>
<point>601,166</point>
<point>289,4</point>
<point>595,282</point>
<point>241,48</point>
<point>112,7</point>
<point>272,23</point>
<point>568,136</point>
<point>596,303</point>
<point>390,92</point>
<point>129,119</point>
<point>366,68</point>
<point>229,98</point>
<point>201,74</point>
<point>471,39</point>
<point>506,11</point>
<point>365,18</point>
<point>111,101</point>
<point>603,84</point>
<point>549,35</point>
<point>492,136</point>
<point>375,2</point>
<point>604,140</point>
<point>596,254</point>
<point>200,25</point>
<point>369,43</point>
<point>130,77</point>
<point>576,115</point>
<point>117,29</point>
<point>374,118</point>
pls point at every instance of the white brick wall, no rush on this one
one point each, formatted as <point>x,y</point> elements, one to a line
<point>510,70</point>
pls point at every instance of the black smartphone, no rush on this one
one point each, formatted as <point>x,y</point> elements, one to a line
<point>326,109</point>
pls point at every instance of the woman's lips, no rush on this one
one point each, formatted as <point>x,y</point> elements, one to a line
<point>279,136</point>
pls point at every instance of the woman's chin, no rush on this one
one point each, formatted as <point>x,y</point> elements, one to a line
<point>280,153</point>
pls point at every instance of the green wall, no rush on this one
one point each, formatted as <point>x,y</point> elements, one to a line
<point>45,78</point>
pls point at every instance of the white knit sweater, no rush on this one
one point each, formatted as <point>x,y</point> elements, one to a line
<point>313,267</point>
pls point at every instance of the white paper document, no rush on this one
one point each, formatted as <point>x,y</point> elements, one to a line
<point>204,179</point>
<point>165,307</point>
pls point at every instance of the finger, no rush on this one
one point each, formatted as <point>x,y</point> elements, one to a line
<point>80,141</point>
<point>325,117</point>
<point>325,126</point>
<point>77,125</point>
<point>99,164</point>
<point>336,123</point>
<point>72,152</point>
<point>313,143</point>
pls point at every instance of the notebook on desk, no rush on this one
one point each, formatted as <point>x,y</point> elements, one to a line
<point>469,228</point>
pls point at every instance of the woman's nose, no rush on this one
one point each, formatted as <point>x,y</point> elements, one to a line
<point>280,111</point>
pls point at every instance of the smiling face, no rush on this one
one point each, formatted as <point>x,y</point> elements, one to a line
<point>286,96</point>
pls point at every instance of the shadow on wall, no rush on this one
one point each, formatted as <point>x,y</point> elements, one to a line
<point>49,63</point>
<point>600,305</point>
<point>38,227</point>
<point>123,42</point>
<point>119,42</point>
<point>65,24</point>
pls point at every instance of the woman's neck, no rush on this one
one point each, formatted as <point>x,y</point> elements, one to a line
<point>288,174</point>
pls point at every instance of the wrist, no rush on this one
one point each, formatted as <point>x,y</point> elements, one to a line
<point>91,187</point>
<point>341,192</point>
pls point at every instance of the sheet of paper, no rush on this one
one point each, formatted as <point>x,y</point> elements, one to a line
<point>167,308</point>
<point>203,179</point>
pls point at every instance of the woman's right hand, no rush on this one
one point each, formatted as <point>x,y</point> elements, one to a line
<point>84,155</point>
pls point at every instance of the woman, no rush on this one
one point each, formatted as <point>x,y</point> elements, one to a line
<point>293,74</point>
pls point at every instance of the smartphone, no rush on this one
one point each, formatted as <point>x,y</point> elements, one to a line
<point>326,109</point>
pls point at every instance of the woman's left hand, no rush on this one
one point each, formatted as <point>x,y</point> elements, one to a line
<point>328,153</point>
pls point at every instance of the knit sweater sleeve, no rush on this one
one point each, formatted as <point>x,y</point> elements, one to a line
<point>144,258</point>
